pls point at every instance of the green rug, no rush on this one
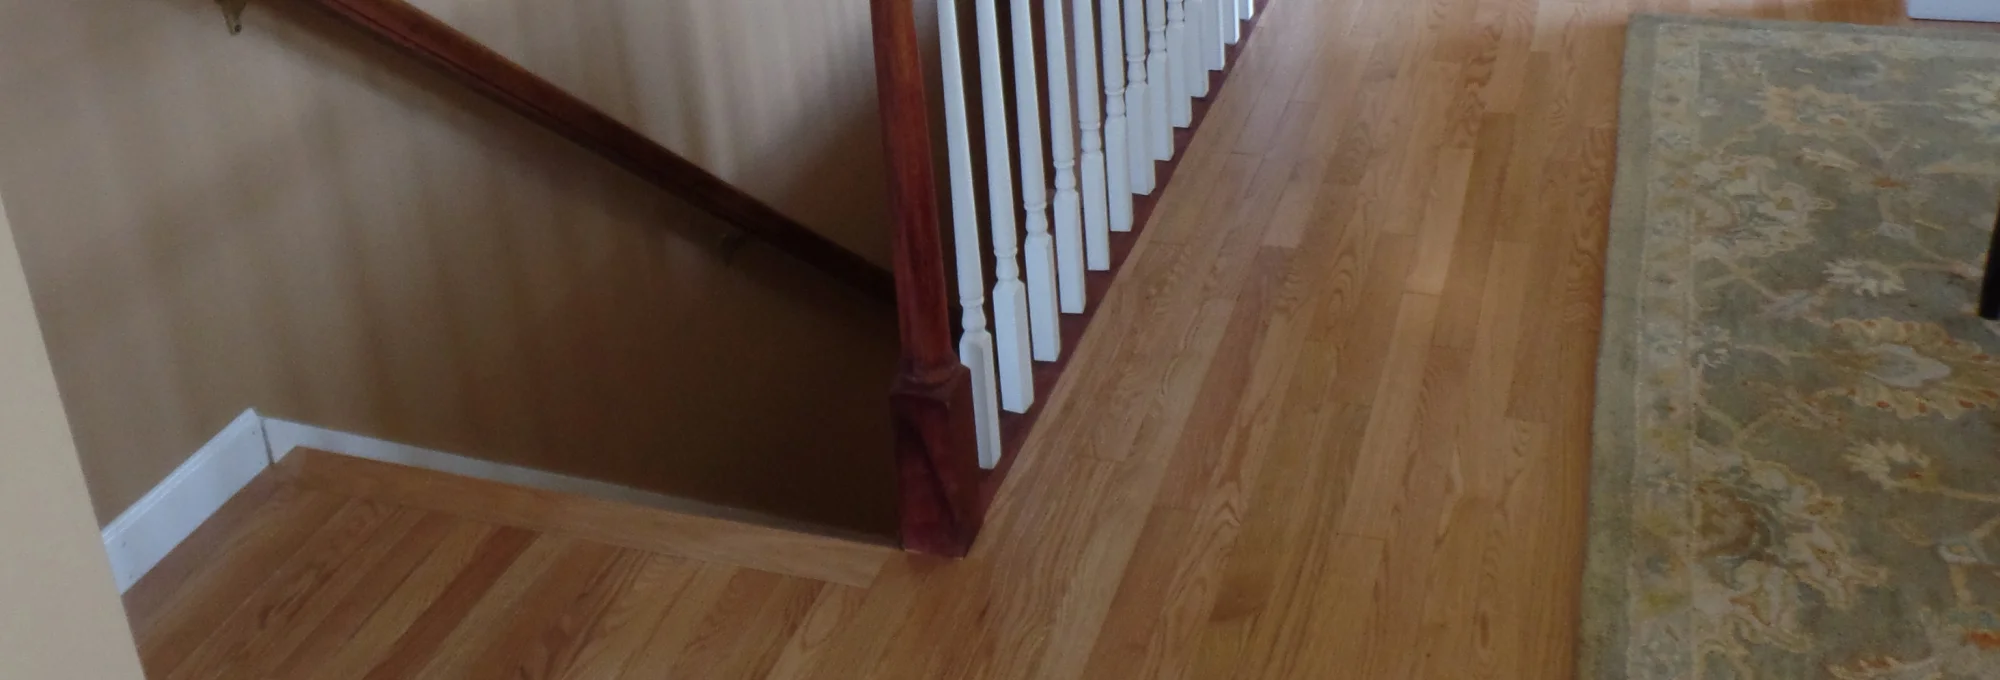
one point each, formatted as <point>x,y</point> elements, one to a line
<point>1797,458</point>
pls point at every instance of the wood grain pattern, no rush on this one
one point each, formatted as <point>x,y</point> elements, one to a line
<point>1017,427</point>
<point>1353,439</point>
<point>301,647</point>
<point>743,636</point>
<point>803,653</point>
<point>689,536</point>
<point>353,654</point>
<point>417,639</point>
<point>483,70</point>
<point>487,611</point>
<point>210,594</point>
<point>680,620</point>
<point>266,502</point>
<point>631,618</point>
<point>345,547</point>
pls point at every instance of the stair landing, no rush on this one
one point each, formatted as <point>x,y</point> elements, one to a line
<point>329,566</point>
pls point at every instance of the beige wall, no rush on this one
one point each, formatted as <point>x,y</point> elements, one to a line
<point>295,219</point>
<point>59,613</point>
<point>776,96</point>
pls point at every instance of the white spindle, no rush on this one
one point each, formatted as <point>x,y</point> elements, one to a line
<point>1119,157</point>
<point>1249,9</point>
<point>1062,144</point>
<point>1232,21</point>
<point>1180,50</point>
<point>1038,254</point>
<point>1098,193</point>
<point>1201,30</point>
<point>1218,38</point>
<point>975,346</point>
<point>1159,72</point>
<point>1010,298</point>
<point>1138,102</point>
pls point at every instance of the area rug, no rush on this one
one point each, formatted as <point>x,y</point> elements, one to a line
<point>1797,459</point>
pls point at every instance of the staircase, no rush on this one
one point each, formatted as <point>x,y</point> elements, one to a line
<point>1083,108</point>
<point>329,566</point>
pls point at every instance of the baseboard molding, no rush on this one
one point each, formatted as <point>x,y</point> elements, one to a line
<point>164,517</point>
<point>1956,10</point>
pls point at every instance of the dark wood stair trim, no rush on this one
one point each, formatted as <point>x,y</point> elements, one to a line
<point>467,61</point>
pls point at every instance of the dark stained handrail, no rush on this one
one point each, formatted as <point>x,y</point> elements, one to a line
<point>476,66</point>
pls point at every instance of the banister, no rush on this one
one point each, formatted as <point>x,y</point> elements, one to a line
<point>931,400</point>
<point>472,64</point>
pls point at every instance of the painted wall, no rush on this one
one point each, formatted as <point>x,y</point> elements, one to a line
<point>59,614</point>
<point>298,220</point>
<point>776,96</point>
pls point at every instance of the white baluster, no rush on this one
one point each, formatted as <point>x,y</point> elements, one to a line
<point>1179,49</point>
<point>1062,145</point>
<point>975,346</point>
<point>1038,253</point>
<point>1232,21</point>
<point>1117,147</point>
<point>1159,72</point>
<point>1010,298</point>
<point>1201,31</point>
<point>1098,193</point>
<point>1218,38</point>
<point>1249,9</point>
<point>1138,102</point>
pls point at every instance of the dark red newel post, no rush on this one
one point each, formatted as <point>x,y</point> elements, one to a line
<point>938,475</point>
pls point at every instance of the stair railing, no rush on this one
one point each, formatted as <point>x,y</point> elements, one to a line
<point>1117,118</point>
<point>1139,68</point>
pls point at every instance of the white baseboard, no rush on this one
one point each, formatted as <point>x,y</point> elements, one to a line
<point>1956,10</point>
<point>165,516</point>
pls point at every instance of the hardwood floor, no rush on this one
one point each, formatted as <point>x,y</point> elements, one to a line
<point>339,568</point>
<point>1333,422</point>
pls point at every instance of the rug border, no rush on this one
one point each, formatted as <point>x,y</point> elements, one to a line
<point>1602,618</point>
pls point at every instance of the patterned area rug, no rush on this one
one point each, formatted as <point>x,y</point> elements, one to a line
<point>1797,462</point>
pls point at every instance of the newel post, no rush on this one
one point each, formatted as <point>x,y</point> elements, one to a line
<point>931,402</point>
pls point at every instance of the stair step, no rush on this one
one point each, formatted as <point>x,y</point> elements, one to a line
<point>695,537</point>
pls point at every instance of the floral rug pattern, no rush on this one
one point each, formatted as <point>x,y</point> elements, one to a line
<point>1797,470</point>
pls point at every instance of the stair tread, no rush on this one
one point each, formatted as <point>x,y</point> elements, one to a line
<point>695,537</point>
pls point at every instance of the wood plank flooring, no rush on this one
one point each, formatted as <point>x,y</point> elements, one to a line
<point>339,568</point>
<point>1332,423</point>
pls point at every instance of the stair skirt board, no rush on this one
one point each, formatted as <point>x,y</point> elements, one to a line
<point>142,535</point>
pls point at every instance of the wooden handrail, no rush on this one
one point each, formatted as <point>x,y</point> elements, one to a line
<point>932,397</point>
<point>474,65</point>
